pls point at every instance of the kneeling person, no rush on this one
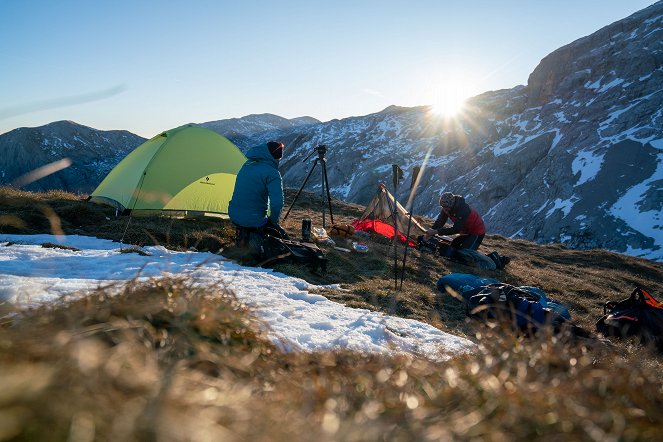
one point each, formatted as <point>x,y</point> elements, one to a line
<point>466,222</point>
<point>258,190</point>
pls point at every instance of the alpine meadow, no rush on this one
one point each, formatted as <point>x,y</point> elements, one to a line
<point>485,265</point>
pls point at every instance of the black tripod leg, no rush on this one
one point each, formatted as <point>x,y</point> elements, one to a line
<point>331,215</point>
<point>300,189</point>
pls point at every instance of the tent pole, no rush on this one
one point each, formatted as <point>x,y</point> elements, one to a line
<point>398,175</point>
<point>413,194</point>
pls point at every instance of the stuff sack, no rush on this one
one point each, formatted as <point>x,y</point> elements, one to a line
<point>638,315</point>
<point>342,230</point>
<point>464,284</point>
<point>505,302</point>
<point>276,250</point>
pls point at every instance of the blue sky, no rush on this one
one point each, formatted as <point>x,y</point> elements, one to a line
<point>147,66</point>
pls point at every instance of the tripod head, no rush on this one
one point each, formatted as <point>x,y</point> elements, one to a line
<point>321,150</point>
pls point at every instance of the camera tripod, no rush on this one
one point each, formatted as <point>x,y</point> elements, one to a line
<point>322,151</point>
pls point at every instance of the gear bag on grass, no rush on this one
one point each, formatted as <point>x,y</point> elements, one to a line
<point>638,315</point>
<point>276,250</point>
<point>506,302</point>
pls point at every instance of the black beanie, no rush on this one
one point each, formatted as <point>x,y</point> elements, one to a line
<point>276,149</point>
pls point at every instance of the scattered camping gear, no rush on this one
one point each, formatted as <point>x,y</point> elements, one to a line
<point>397,177</point>
<point>342,230</point>
<point>465,285</point>
<point>276,250</point>
<point>306,229</point>
<point>186,171</point>
<point>324,182</point>
<point>377,218</point>
<point>320,235</point>
<point>524,310</point>
<point>359,247</point>
<point>638,315</point>
<point>413,186</point>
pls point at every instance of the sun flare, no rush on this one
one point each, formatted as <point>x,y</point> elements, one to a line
<point>449,98</point>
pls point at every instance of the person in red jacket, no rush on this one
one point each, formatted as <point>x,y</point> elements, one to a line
<point>466,222</point>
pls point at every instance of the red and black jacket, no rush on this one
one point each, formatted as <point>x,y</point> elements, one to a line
<point>465,218</point>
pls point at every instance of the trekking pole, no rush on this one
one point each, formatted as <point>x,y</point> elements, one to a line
<point>398,175</point>
<point>413,193</point>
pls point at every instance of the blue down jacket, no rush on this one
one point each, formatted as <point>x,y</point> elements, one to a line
<point>258,188</point>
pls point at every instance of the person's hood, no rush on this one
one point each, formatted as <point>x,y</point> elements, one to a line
<point>261,154</point>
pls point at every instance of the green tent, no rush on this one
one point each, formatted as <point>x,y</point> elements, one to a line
<point>186,171</point>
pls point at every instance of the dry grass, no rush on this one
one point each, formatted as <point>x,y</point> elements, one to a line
<point>167,361</point>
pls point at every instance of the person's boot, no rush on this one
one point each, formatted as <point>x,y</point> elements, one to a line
<point>496,259</point>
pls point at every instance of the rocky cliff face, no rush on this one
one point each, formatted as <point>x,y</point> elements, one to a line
<point>576,156</point>
<point>93,153</point>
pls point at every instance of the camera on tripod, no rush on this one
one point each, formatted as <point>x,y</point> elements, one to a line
<point>321,150</point>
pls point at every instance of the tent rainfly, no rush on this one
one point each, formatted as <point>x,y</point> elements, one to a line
<point>186,171</point>
<point>378,217</point>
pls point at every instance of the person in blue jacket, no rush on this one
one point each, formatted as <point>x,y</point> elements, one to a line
<point>257,199</point>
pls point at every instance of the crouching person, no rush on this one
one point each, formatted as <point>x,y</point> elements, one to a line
<point>257,199</point>
<point>466,223</point>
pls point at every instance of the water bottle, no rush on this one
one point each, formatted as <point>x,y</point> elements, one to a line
<point>306,229</point>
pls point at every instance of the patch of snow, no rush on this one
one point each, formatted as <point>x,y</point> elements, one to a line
<point>517,234</point>
<point>561,117</point>
<point>648,223</point>
<point>613,83</point>
<point>564,205</point>
<point>594,85</point>
<point>297,320</point>
<point>588,165</point>
<point>344,190</point>
<point>543,206</point>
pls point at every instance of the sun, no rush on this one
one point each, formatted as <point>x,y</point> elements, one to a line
<point>449,98</point>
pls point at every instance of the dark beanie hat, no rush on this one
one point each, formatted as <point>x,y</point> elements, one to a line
<point>276,149</point>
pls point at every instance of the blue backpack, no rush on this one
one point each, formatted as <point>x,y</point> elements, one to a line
<point>504,302</point>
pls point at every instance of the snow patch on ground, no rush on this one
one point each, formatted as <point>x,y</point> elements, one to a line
<point>297,319</point>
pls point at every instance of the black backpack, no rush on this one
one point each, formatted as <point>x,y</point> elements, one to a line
<point>638,315</point>
<point>276,250</point>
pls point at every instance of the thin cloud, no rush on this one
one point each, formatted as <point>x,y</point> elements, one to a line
<point>72,100</point>
<point>373,92</point>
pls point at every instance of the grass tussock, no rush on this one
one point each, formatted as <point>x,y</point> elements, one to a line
<point>164,360</point>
